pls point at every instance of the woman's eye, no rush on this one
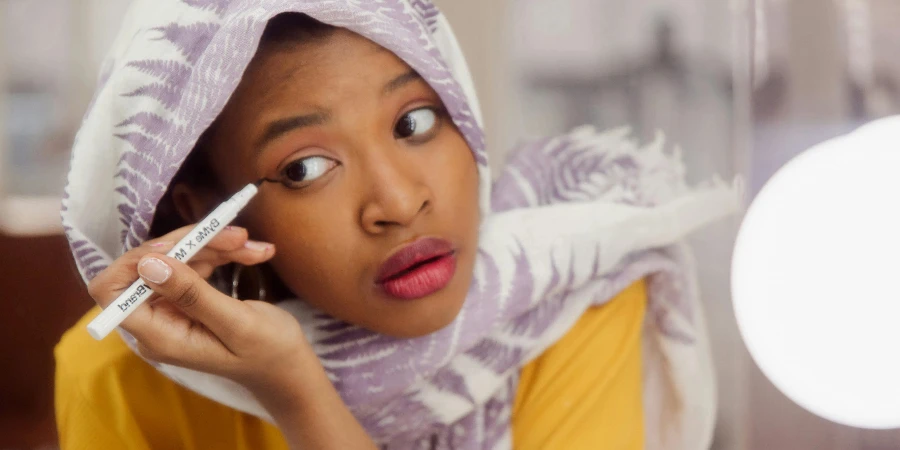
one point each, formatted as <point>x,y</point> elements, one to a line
<point>416,123</point>
<point>305,170</point>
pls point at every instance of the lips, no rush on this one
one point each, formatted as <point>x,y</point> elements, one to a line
<point>418,269</point>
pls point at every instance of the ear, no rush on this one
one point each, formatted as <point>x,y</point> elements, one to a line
<point>192,203</point>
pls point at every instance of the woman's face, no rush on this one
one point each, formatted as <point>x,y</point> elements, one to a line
<point>374,211</point>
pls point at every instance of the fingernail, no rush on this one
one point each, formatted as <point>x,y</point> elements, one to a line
<point>231,228</point>
<point>154,270</point>
<point>161,244</point>
<point>257,246</point>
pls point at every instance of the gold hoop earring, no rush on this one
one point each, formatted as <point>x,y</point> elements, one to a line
<point>236,280</point>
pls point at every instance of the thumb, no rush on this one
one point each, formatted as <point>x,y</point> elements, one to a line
<point>180,285</point>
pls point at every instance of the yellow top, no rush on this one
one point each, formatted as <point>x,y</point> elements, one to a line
<point>582,393</point>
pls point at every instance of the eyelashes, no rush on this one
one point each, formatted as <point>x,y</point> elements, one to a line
<point>417,126</point>
<point>302,172</point>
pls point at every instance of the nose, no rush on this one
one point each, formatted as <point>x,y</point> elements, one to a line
<point>397,192</point>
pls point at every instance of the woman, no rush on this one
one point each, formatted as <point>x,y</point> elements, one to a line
<point>411,295</point>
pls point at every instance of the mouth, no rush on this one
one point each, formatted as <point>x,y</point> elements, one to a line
<point>418,269</point>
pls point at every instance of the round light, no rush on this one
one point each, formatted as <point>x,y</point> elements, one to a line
<point>816,278</point>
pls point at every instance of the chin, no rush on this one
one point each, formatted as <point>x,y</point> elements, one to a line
<point>429,316</point>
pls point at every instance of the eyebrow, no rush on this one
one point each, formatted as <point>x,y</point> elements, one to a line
<point>401,81</point>
<point>281,127</point>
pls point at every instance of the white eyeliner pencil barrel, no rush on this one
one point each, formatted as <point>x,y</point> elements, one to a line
<point>184,250</point>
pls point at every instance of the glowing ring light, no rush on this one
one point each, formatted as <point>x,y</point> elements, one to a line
<point>816,278</point>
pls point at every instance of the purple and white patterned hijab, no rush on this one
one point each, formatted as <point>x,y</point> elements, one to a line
<point>570,222</point>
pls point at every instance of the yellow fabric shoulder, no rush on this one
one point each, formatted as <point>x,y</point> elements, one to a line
<point>109,398</point>
<point>584,392</point>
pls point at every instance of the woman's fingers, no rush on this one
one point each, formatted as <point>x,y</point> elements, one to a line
<point>248,254</point>
<point>231,245</point>
<point>166,335</point>
<point>181,286</point>
<point>112,281</point>
<point>230,238</point>
<point>207,259</point>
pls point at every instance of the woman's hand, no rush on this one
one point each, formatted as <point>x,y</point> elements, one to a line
<point>189,323</point>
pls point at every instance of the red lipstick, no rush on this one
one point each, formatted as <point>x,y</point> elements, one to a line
<point>418,269</point>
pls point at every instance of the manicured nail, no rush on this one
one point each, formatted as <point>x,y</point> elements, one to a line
<point>154,270</point>
<point>161,244</point>
<point>257,246</point>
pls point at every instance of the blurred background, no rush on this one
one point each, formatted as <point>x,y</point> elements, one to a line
<point>741,85</point>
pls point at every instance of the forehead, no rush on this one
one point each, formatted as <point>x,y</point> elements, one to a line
<point>317,66</point>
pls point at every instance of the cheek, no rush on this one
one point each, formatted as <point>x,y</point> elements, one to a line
<point>314,242</point>
<point>460,179</point>
<point>455,187</point>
